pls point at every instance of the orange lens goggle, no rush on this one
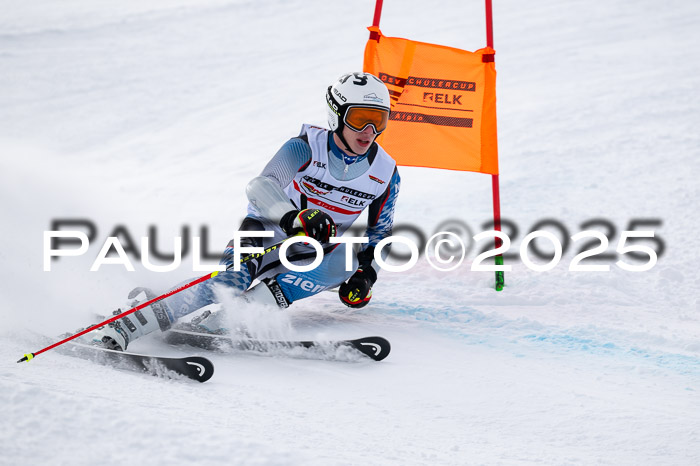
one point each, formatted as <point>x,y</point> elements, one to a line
<point>357,118</point>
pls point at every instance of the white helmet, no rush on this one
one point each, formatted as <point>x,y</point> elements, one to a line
<point>357,100</point>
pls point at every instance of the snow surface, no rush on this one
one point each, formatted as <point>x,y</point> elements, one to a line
<point>154,112</point>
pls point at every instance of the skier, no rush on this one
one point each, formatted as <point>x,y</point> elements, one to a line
<point>317,185</point>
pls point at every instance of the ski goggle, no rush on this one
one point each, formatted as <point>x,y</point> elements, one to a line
<point>358,118</point>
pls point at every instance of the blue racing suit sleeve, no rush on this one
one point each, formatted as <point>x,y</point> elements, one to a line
<point>380,221</point>
<point>294,156</point>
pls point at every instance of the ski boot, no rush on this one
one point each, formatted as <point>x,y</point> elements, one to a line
<point>210,322</point>
<point>118,334</point>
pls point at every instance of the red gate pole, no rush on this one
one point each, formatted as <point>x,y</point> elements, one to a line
<point>500,277</point>
<point>377,16</point>
<point>489,24</point>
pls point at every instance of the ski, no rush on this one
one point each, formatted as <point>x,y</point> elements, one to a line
<point>376,348</point>
<point>193,367</point>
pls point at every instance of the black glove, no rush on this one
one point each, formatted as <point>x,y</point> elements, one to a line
<point>314,223</point>
<point>357,291</point>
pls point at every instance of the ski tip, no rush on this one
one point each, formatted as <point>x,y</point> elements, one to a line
<point>27,357</point>
<point>376,348</point>
<point>199,368</point>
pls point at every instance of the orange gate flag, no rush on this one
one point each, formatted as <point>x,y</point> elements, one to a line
<point>443,103</point>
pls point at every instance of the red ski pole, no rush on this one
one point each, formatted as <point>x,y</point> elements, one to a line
<point>30,356</point>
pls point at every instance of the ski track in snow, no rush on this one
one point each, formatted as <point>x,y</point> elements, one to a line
<point>158,112</point>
